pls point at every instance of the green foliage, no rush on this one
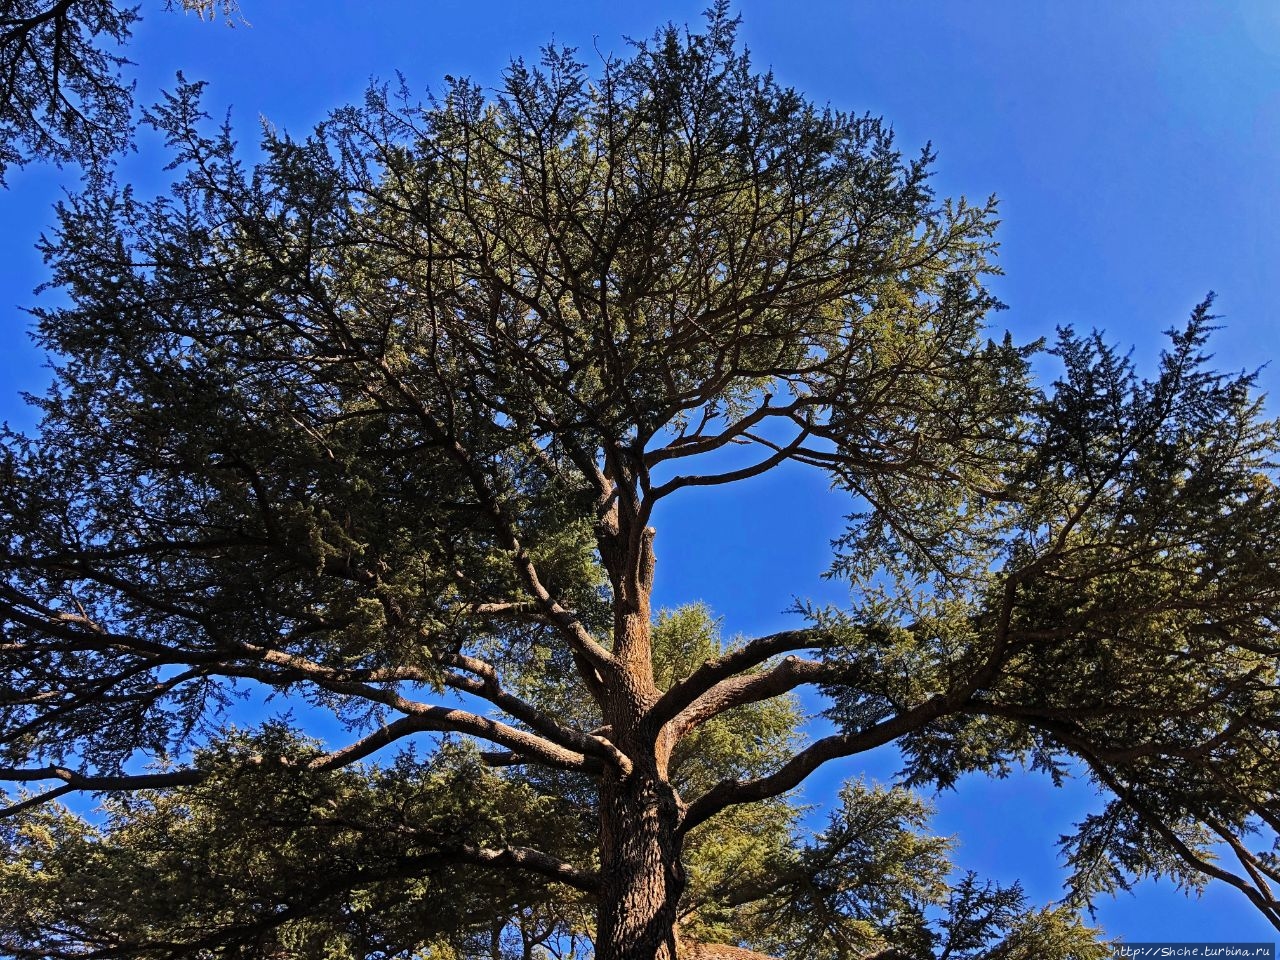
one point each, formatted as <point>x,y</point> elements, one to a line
<point>379,425</point>
<point>63,97</point>
<point>743,742</point>
<point>874,880</point>
<point>229,867</point>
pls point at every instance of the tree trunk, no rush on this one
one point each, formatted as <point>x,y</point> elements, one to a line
<point>641,873</point>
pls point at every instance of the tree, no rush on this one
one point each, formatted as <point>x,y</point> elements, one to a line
<point>63,97</point>
<point>873,876</point>
<point>379,427</point>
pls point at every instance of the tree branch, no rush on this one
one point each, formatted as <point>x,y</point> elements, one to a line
<point>534,861</point>
<point>730,792</point>
<point>729,476</point>
<point>73,780</point>
<point>751,688</point>
<point>436,718</point>
<point>712,672</point>
<point>1267,905</point>
<point>488,688</point>
<point>692,446</point>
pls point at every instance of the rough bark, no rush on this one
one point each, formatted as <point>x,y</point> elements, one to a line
<point>642,876</point>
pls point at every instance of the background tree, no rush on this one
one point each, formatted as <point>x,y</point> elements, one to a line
<point>63,97</point>
<point>381,425</point>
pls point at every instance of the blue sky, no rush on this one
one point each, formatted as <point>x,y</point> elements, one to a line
<point>1135,147</point>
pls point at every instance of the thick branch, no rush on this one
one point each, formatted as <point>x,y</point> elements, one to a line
<point>488,688</point>
<point>792,774</point>
<point>73,781</point>
<point>81,781</point>
<point>730,476</point>
<point>722,668</point>
<point>437,718</point>
<point>382,737</point>
<point>751,688</point>
<point>694,445</point>
<point>559,746</point>
<point>534,861</point>
<point>425,719</point>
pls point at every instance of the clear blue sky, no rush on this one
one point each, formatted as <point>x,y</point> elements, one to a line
<point>1135,147</point>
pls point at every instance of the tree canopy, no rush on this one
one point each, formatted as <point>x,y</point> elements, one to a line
<point>377,428</point>
<point>63,93</point>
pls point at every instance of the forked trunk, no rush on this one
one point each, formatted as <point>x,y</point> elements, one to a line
<point>641,873</point>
